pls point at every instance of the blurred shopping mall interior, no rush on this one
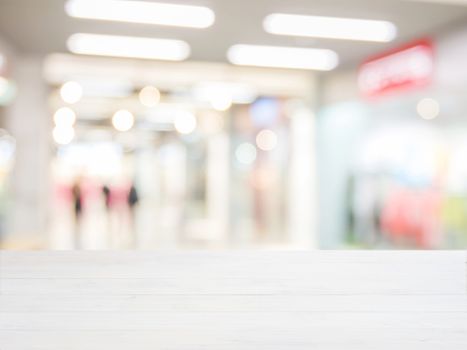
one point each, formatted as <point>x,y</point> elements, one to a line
<point>217,124</point>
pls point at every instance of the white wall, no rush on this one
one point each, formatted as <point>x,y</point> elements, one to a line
<point>28,120</point>
<point>451,67</point>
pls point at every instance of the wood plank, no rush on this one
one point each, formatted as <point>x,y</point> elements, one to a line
<point>238,300</point>
<point>321,338</point>
<point>348,338</point>
<point>316,284</point>
<point>233,303</point>
<point>136,264</point>
<point>274,321</point>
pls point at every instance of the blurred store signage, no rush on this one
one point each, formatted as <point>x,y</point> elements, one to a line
<point>265,112</point>
<point>7,86</point>
<point>2,63</point>
<point>7,91</point>
<point>405,68</point>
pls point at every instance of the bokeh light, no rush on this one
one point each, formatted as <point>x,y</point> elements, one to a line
<point>64,116</point>
<point>149,96</point>
<point>185,122</point>
<point>428,108</point>
<point>123,120</point>
<point>63,135</point>
<point>266,140</point>
<point>71,92</point>
<point>221,102</point>
<point>246,153</point>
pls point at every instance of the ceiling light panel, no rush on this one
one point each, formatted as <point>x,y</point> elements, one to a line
<point>144,12</point>
<point>330,27</point>
<point>283,57</point>
<point>126,46</point>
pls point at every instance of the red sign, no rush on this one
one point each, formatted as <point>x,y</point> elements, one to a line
<point>408,67</point>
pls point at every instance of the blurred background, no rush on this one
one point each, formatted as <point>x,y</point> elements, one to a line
<point>216,124</point>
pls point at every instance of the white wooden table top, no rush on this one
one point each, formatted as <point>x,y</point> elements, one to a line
<point>238,300</point>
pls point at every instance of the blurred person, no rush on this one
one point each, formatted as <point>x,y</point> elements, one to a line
<point>106,193</point>
<point>120,199</point>
<point>351,236</point>
<point>132,201</point>
<point>77,197</point>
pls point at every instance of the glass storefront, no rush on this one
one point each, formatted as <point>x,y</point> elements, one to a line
<point>401,179</point>
<point>204,173</point>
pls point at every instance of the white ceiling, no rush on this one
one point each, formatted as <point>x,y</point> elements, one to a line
<point>41,26</point>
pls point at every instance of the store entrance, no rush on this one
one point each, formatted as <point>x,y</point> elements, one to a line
<point>185,161</point>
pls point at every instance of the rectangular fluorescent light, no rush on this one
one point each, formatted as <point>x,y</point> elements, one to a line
<point>330,27</point>
<point>113,88</point>
<point>238,93</point>
<point>141,12</point>
<point>127,46</point>
<point>283,57</point>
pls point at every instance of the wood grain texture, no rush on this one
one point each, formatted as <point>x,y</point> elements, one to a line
<point>237,300</point>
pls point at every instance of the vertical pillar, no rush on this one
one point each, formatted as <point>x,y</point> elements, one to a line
<point>28,120</point>
<point>302,187</point>
<point>217,184</point>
